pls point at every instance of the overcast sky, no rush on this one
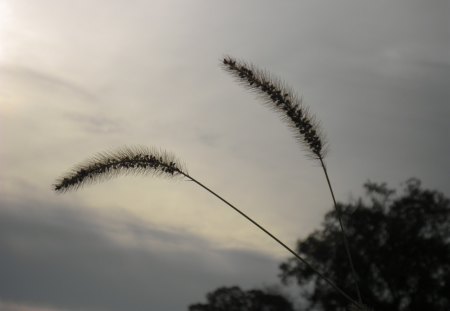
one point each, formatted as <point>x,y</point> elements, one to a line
<point>80,77</point>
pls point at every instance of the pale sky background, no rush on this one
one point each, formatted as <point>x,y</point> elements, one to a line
<point>80,77</point>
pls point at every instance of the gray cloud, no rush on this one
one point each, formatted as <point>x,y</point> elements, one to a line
<point>58,92</point>
<point>66,257</point>
<point>96,124</point>
<point>38,77</point>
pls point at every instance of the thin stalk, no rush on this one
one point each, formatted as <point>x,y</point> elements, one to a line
<point>304,125</point>
<point>344,236</point>
<point>344,294</point>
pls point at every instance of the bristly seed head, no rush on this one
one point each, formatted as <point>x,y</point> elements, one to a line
<point>137,160</point>
<point>305,127</point>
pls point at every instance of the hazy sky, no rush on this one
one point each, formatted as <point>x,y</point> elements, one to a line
<point>80,77</point>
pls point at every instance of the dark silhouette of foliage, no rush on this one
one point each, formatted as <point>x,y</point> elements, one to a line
<point>236,299</point>
<point>400,246</point>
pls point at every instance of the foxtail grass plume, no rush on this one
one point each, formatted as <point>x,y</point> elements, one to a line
<point>305,127</point>
<point>137,160</point>
<point>280,98</point>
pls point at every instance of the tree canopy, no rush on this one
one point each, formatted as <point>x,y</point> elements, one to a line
<point>400,246</point>
<point>235,299</point>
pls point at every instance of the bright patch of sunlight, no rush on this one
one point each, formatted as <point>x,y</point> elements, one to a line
<point>6,17</point>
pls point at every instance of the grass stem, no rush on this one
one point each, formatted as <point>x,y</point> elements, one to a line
<point>317,272</point>
<point>343,234</point>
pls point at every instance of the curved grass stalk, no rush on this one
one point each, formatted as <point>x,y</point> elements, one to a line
<point>149,161</point>
<point>304,126</point>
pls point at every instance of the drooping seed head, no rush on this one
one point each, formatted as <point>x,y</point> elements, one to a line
<point>280,98</point>
<point>136,160</point>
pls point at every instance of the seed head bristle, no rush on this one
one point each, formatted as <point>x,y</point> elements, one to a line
<point>136,160</point>
<point>280,98</point>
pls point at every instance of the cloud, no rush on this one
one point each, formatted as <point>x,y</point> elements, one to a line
<point>70,257</point>
<point>5,306</point>
<point>96,124</point>
<point>38,77</point>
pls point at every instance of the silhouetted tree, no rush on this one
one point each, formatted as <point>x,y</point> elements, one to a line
<point>400,246</point>
<point>235,299</point>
